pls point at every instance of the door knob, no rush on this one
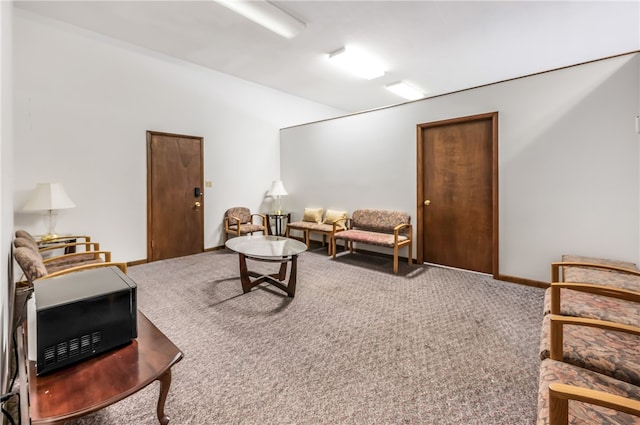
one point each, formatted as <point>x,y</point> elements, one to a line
<point>197,205</point>
<point>427,202</point>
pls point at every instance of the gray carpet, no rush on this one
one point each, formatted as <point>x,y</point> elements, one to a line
<point>357,345</point>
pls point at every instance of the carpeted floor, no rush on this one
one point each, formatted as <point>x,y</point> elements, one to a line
<point>357,345</point>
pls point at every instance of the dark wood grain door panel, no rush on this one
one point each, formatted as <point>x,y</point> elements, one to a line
<point>458,181</point>
<point>175,214</point>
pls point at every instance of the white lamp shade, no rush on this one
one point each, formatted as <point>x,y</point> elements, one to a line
<point>48,196</point>
<point>277,189</point>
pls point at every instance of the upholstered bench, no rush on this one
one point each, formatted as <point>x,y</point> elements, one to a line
<point>312,222</point>
<point>387,228</point>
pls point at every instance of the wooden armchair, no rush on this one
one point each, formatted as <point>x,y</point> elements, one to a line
<point>239,221</point>
<point>59,242</point>
<point>571,393</point>
<point>34,267</point>
<point>91,254</point>
<point>597,291</point>
<point>590,369</point>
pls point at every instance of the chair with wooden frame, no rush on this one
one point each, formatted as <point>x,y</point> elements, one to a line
<point>592,394</point>
<point>34,268</point>
<point>239,221</point>
<point>65,261</point>
<point>55,243</point>
<point>570,394</point>
<point>594,290</point>
<point>581,378</point>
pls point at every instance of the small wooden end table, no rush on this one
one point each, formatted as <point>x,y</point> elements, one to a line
<point>99,381</point>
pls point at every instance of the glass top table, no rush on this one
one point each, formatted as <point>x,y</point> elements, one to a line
<point>275,249</point>
<point>267,247</point>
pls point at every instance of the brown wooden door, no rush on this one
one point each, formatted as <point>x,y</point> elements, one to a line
<point>457,193</point>
<point>175,215</point>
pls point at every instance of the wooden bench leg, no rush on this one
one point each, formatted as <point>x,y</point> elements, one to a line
<point>395,259</point>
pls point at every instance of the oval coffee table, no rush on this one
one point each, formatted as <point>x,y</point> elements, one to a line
<point>273,249</point>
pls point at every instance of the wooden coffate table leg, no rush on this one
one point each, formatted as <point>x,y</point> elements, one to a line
<point>273,279</point>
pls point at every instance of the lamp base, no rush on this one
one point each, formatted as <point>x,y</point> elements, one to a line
<point>49,237</point>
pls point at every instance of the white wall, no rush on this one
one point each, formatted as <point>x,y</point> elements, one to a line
<point>83,104</point>
<point>6,182</point>
<point>568,162</point>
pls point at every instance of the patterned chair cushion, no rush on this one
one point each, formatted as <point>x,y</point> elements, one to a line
<point>25,234</point>
<point>248,228</point>
<point>25,243</point>
<point>379,220</point>
<point>611,353</point>
<point>603,261</point>
<point>81,261</point>
<point>583,413</point>
<point>241,213</point>
<point>30,262</point>
<point>592,306</point>
<point>371,238</point>
<point>601,276</point>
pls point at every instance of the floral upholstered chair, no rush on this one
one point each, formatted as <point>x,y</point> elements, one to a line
<point>55,262</point>
<point>239,221</point>
<point>34,268</point>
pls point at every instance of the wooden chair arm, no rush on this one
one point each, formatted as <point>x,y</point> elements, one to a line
<point>227,223</point>
<point>96,254</point>
<point>95,246</point>
<point>560,394</point>
<point>558,321</point>
<point>262,216</point>
<point>398,228</point>
<point>64,238</point>
<point>401,226</point>
<point>555,268</point>
<point>121,266</point>
<point>592,288</point>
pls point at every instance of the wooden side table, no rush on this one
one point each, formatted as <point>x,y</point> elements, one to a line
<point>97,382</point>
<point>279,221</point>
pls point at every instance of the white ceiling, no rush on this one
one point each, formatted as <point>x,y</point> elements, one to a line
<point>438,46</point>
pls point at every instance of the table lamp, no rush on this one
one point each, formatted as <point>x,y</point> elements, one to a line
<point>276,191</point>
<point>49,197</point>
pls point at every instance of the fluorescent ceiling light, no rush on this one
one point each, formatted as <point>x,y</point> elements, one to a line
<point>403,89</point>
<point>357,62</point>
<point>268,15</point>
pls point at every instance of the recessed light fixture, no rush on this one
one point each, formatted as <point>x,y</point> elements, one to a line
<point>268,15</point>
<point>357,62</point>
<point>405,90</point>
